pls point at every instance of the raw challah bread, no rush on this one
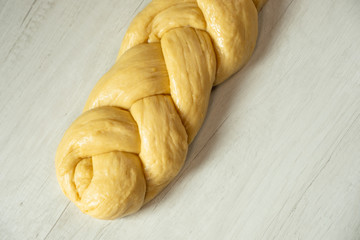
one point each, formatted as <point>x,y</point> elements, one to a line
<point>132,138</point>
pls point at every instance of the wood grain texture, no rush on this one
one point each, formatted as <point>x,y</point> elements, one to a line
<point>278,156</point>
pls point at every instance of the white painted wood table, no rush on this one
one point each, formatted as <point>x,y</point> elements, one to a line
<point>278,156</point>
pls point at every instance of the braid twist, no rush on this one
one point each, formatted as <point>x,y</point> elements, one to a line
<point>132,138</point>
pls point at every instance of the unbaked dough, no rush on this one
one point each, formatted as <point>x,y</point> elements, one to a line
<point>132,138</point>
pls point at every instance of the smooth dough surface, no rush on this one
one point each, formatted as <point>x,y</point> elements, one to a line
<point>132,138</point>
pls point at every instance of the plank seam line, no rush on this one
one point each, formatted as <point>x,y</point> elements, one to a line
<point>47,235</point>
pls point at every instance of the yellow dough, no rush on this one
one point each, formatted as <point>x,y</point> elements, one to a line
<point>133,135</point>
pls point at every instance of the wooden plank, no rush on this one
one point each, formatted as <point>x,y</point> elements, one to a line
<point>278,154</point>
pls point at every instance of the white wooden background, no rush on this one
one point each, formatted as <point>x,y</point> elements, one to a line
<point>278,156</point>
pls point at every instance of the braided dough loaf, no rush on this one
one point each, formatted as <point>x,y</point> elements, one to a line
<point>132,138</point>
